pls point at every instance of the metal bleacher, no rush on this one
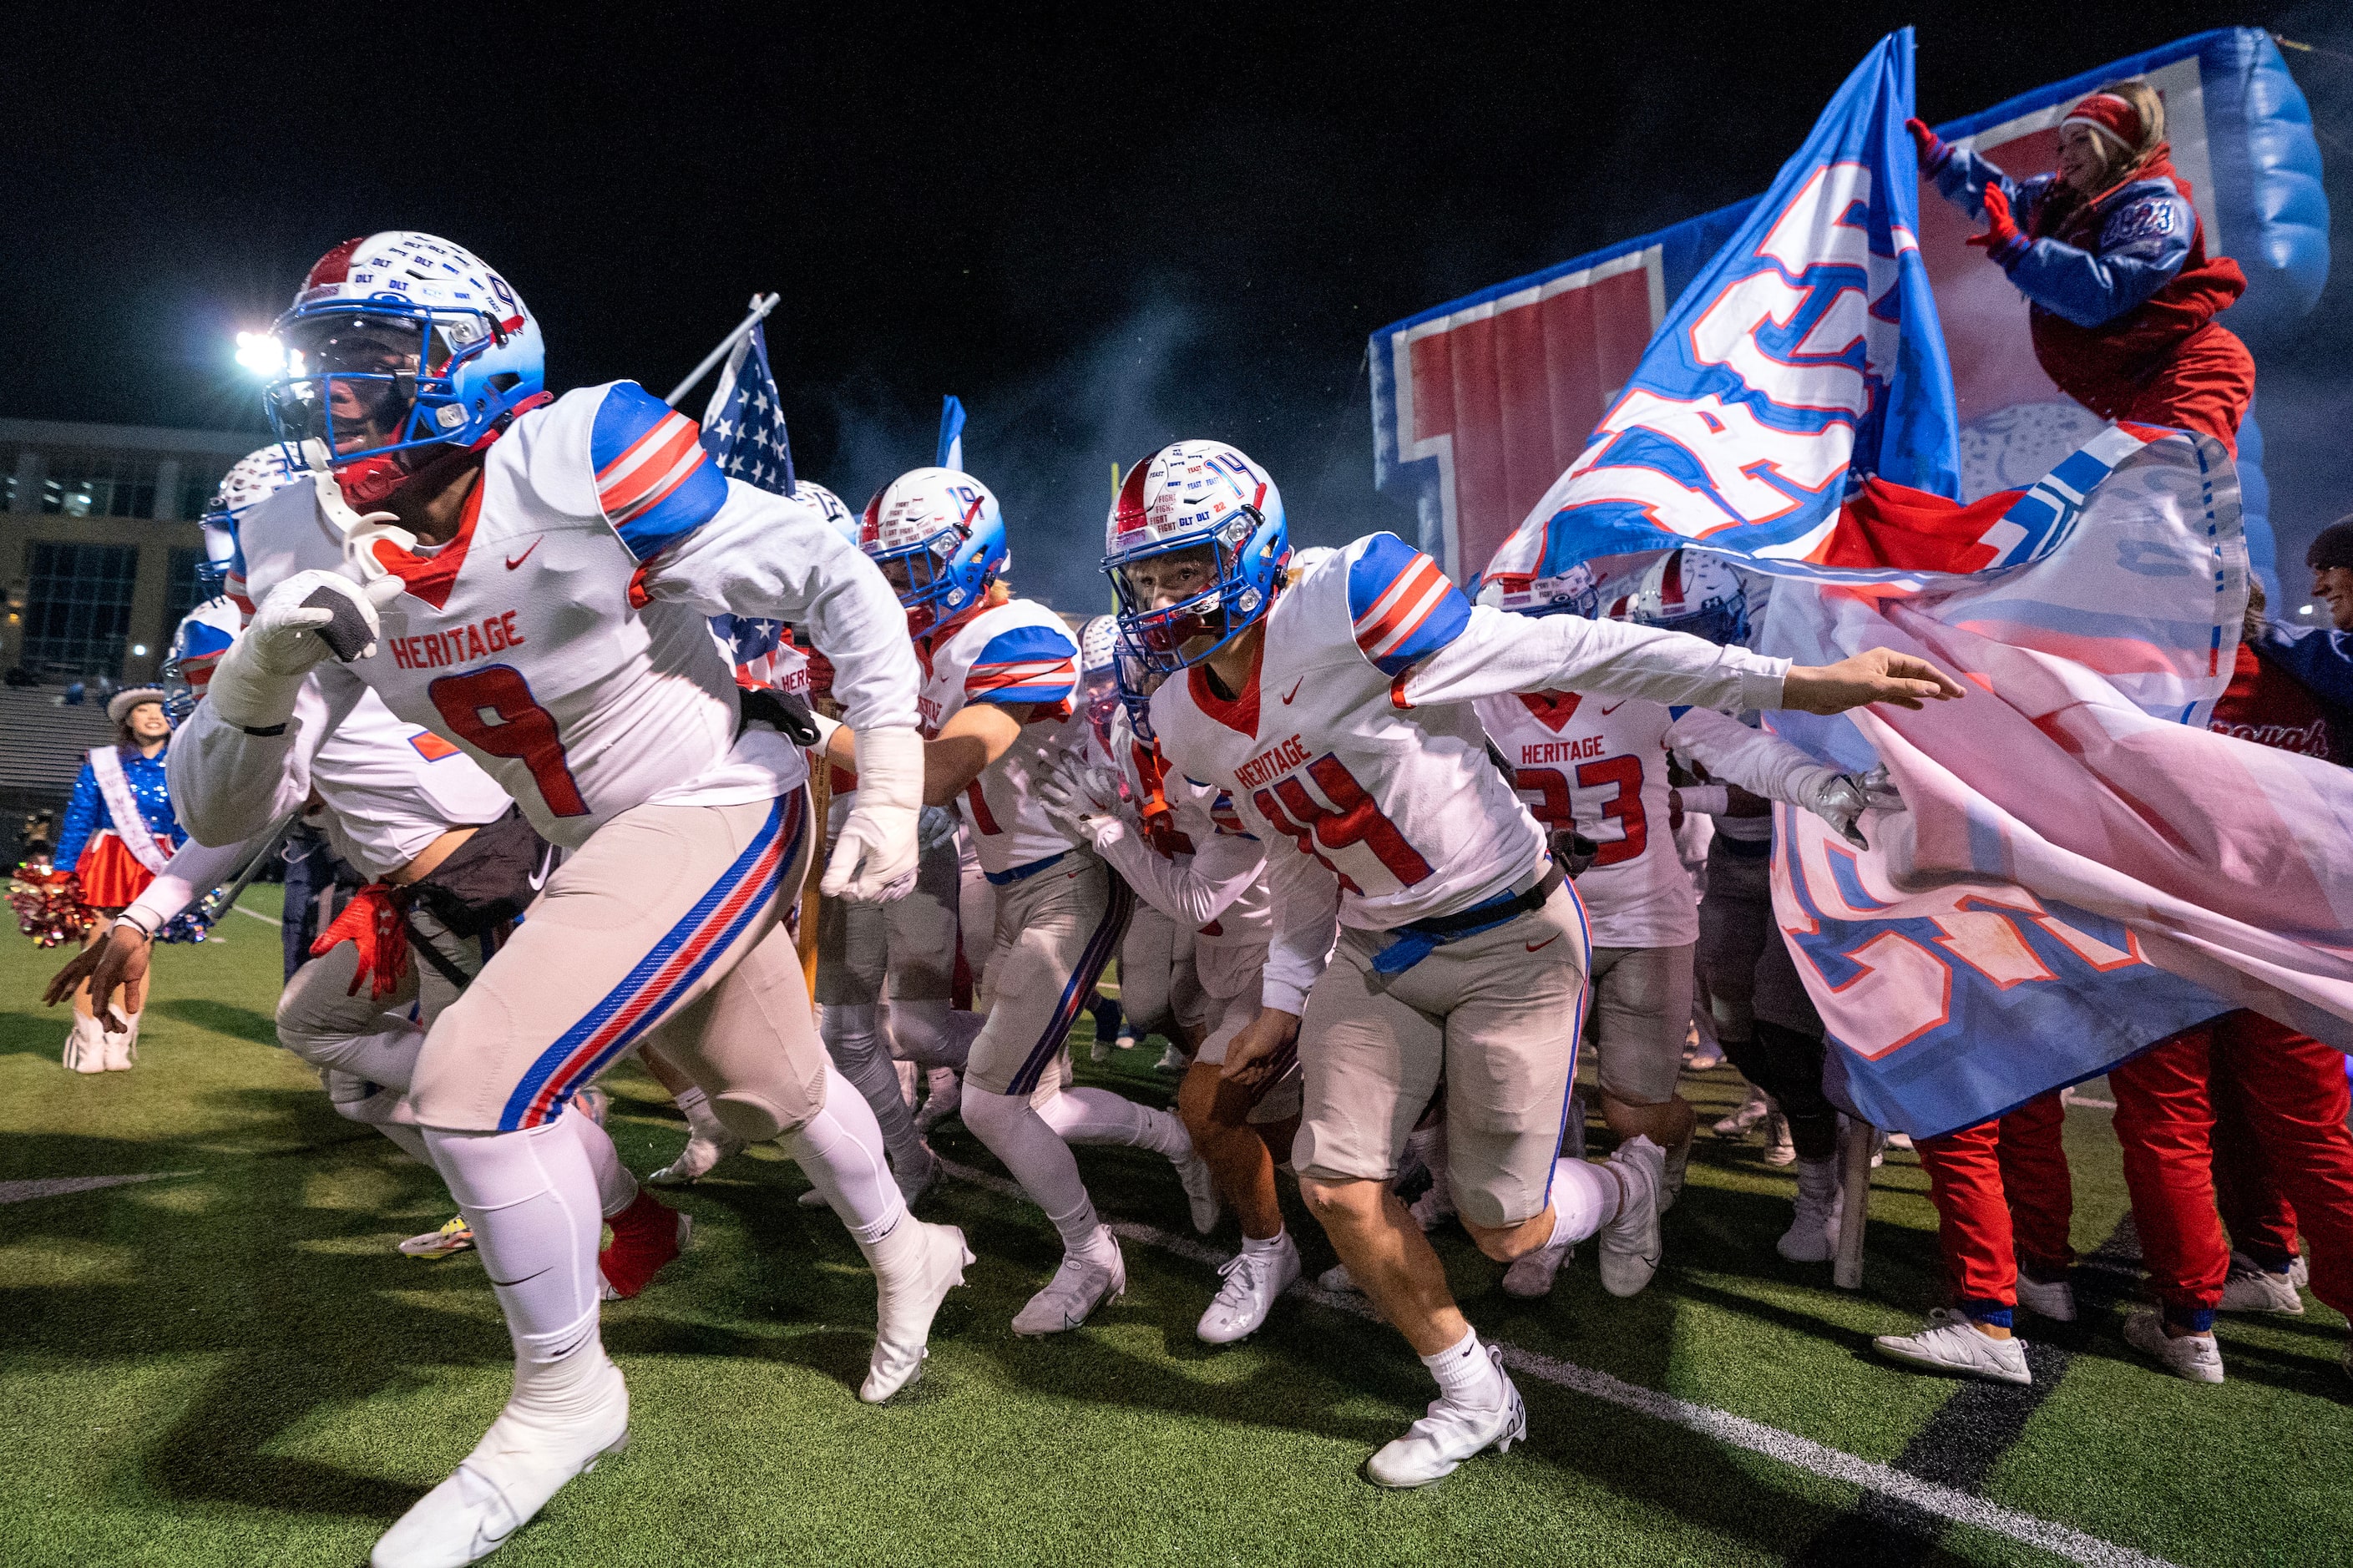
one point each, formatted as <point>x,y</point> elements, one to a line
<point>41,746</point>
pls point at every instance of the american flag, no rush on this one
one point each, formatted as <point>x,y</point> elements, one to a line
<point>744,431</point>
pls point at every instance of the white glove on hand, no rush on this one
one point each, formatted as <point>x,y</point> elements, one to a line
<point>1081,800</point>
<point>936,827</point>
<point>255,683</point>
<point>874,861</point>
<point>1840,799</point>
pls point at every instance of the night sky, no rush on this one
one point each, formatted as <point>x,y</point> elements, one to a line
<point>1104,227</point>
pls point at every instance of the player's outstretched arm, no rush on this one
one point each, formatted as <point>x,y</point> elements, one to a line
<point>1769,766</point>
<point>1874,675</point>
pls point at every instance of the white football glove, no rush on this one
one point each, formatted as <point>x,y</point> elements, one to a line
<point>1840,799</point>
<point>254,684</point>
<point>936,827</point>
<point>875,859</point>
<point>1081,800</point>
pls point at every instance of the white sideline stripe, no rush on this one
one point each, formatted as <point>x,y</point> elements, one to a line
<point>1802,1453</point>
<point>257,915</point>
<point>58,1186</point>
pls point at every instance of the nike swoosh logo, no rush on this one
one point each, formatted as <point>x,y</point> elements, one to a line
<point>515,561</point>
<point>1293,691</point>
<point>1540,946</point>
<point>1605,712</point>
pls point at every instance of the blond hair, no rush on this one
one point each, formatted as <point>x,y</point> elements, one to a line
<point>2150,110</point>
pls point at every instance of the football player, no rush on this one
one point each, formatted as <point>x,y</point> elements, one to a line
<point>999,674</point>
<point>1330,699</point>
<point>531,580</point>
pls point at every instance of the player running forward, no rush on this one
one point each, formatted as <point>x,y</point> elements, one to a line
<point>1214,890</point>
<point>532,582</point>
<point>1596,769</point>
<point>998,677</point>
<point>1333,701</point>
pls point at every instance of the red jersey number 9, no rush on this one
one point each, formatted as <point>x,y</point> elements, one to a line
<point>492,711</point>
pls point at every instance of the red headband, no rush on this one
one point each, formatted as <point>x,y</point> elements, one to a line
<point>2104,111</point>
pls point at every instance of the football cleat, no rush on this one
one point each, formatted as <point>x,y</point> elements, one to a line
<point>646,1237</point>
<point>1337,1278</point>
<point>122,1046</point>
<point>522,1461</point>
<point>904,1310</point>
<point>1950,1342</point>
<point>1778,1148</point>
<point>1743,1121</point>
<point>942,1100</point>
<point>694,1162</point>
<point>1435,1446</point>
<point>1630,1244</point>
<point>1812,1235</point>
<point>2193,1356</point>
<point>1436,1205</point>
<point>1080,1286</point>
<point>1172,1060</point>
<point>1253,1279</point>
<point>455,1236</point>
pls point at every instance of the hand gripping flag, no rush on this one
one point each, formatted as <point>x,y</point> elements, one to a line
<point>1807,348</point>
<point>744,431</point>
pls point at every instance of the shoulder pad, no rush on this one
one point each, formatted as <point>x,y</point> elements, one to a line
<point>1402,607</point>
<point>655,484</point>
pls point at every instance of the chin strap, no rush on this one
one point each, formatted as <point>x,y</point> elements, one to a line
<point>361,533</point>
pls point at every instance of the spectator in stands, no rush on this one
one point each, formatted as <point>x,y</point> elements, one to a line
<point>2284,1091</point>
<point>2109,255</point>
<point>119,830</point>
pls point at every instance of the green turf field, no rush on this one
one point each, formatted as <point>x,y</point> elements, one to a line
<point>227,1363</point>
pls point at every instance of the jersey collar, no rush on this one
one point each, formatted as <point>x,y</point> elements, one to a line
<point>430,577</point>
<point>1240,714</point>
<point>1553,710</point>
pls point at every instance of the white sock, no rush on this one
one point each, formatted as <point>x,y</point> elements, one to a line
<point>531,1199</point>
<point>1098,1116</point>
<point>700,1119</point>
<point>1275,1242</point>
<point>1583,1199</point>
<point>1466,1374</point>
<point>1038,1159</point>
<point>840,1150</point>
<point>616,1188</point>
<point>853,1041</point>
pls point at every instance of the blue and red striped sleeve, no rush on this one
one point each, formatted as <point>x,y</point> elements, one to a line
<point>1027,664</point>
<point>653,478</point>
<point>1403,607</point>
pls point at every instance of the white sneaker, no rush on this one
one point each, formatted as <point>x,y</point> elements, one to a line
<point>904,1310</point>
<point>1952,1343</point>
<point>2261,1291</point>
<point>1200,1190</point>
<point>1631,1243</point>
<point>1531,1275</point>
<point>946,1095</point>
<point>2299,1273</point>
<point>1435,1446</point>
<point>1743,1121</point>
<point>123,1048</point>
<point>1253,1279</point>
<point>703,1150</point>
<point>1337,1278</point>
<point>2054,1300</point>
<point>1812,1235</point>
<point>2193,1356</point>
<point>85,1046</point>
<point>522,1461</point>
<point>1077,1288</point>
<point>1778,1148</point>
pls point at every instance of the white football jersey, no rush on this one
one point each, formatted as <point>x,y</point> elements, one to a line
<point>1355,739</point>
<point>1599,766</point>
<point>390,788</point>
<point>1014,654</point>
<point>562,638</point>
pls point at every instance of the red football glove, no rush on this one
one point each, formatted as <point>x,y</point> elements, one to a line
<point>2002,229</point>
<point>1931,146</point>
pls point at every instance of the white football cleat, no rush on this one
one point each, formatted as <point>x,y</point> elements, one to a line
<point>1531,1275</point>
<point>1743,1121</point>
<point>1253,1279</point>
<point>522,1461</point>
<point>1337,1278</point>
<point>1631,1243</point>
<point>2193,1356</point>
<point>1435,1446</point>
<point>2261,1291</point>
<point>1812,1235</point>
<point>1200,1190</point>
<point>1077,1288</point>
<point>945,1098</point>
<point>1952,1343</point>
<point>702,1151</point>
<point>904,1310</point>
<point>2055,1300</point>
<point>455,1236</point>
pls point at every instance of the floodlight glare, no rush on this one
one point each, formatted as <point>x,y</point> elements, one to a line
<point>260,353</point>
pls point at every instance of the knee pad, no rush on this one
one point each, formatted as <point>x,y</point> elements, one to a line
<point>989,1114</point>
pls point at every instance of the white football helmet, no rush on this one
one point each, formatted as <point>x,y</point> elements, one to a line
<point>1687,591</point>
<point>945,527</point>
<point>1572,593</point>
<point>836,511</point>
<point>1197,495</point>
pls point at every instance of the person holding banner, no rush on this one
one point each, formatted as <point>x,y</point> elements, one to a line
<point>119,832</point>
<point>2110,257</point>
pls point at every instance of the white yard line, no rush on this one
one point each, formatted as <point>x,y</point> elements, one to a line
<point>58,1186</point>
<point>1737,1431</point>
<point>257,915</point>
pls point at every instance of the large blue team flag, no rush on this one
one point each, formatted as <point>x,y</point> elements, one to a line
<point>1807,350</point>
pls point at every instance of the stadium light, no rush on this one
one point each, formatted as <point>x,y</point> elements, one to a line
<point>260,353</point>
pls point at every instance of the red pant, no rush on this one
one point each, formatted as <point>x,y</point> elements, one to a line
<point>2293,1092</point>
<point>2003,1195</point>
<point>2256,1215</point>
<point>2206,385</point>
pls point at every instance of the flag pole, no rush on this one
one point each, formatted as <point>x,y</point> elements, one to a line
<point>761,305</point>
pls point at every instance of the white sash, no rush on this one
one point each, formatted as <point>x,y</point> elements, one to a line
<point>106,763</point>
